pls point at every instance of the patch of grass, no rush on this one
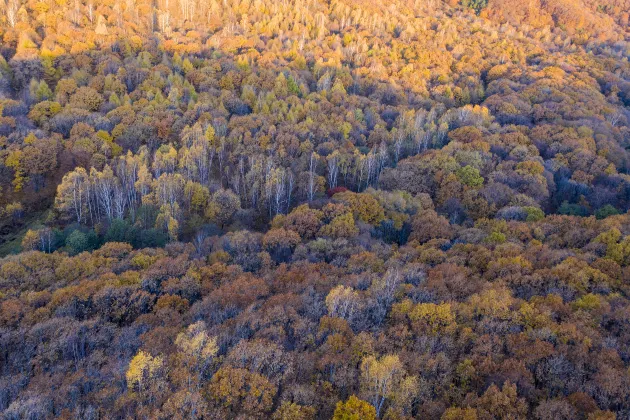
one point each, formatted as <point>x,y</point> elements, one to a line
<point>11,237</point>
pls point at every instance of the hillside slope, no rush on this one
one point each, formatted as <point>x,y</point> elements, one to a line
<point>312,209</point>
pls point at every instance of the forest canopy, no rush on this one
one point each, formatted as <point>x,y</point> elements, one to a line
<point>309,210</point>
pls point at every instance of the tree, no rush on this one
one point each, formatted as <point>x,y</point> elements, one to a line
<point>354,409</point>
<point>280,243</point>
<point>222,207</point>
<point>14,161</point>
<point>40,90</point>
<point>342,302</point>
<point>86,98</point>
<point>431,318</point>
<point>43,111</point>
<point>293,411</point>
<point>15,211</point>
<point>38,160</point>
<point>312,176</point>
<point>30,241</point>
<point>64,90</point>
<point>507,116</point>
<point>502,403</point>
<point>41,239</point>
<point>72,195</point>
<point>304,220</point>
<point>185,405</point>
<point>380,378</point>
<point>197,350</point>
<point>77,242</point>
<point>144,374</point>
<point>364,206</point>
<point>429,225</point>
<point>236,390</point>
<point>172,228</point>
<point>470,176</point>
<point>456,413</point>
<point>476,5</point>
<point>555,409</point>
<point>606,211</point>
<point>342,226</point>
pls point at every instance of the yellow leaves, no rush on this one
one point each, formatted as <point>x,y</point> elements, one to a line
<point>30,139</point>
<point>602,415</point>
<point>366,260</point>
<point>386,378</point>
<point>41,7</point>
<point>336,343</point>
<point>80,47</point>
<point>345,129</point>
<point>342,226</point>
<point>620,252</point>
<point>187,66</point>
<point>456,413</point>
<point>555,73</point>
<point>209,135</point>
<point>196,346</point>
<point>493,303</point>
<point>292,411</point>
<point>609,237</point>
<point>338,87</point>
<point>342,302</point>
<point>436,318</point>
<point>588,302</point>
<point>507,108</point>
<point>617,249</point>
<point>128,278</point>
<point>30,241</point>
<point>427,318</point>
<point>571,333</point>
<point>354,409</point>
<point>530,316</point>
<point>142,369</point>
<point>14,161</point>
<point>381,370</point>
<point>502,403</point>
<point>364,206</point>
<point>281,88</point>
<point>108,142</point>
<point>506,266</point>
<point>579,274</point>
<point>173,228</point>
<point>398,205</point>
<point>198,196</point>
<point>496,238</point>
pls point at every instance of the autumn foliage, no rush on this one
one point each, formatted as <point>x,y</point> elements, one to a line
<point>314,210</point>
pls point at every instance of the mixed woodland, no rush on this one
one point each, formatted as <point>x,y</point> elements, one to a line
<point>315,209</point>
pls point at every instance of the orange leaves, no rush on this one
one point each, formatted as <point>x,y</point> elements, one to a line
<point>241,391</point>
